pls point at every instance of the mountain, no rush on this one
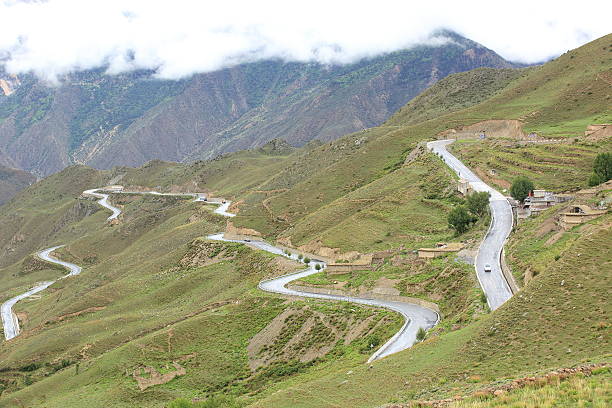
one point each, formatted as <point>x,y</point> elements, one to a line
<point>160,305</point>
<point>12,181</point>
<point>129,119</point>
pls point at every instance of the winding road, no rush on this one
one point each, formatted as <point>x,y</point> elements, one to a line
<point>9,319</point>
<point>415,316</point>
<point>493,283</point>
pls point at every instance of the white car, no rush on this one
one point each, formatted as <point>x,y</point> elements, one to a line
<point>487,268</point>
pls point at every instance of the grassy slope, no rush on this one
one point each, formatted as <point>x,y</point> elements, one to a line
<point>530,333</point>
<point>579,391</point>
<point>527,334</point>
<point>138,305</point>
<point>548,325</point>
<point>12,181</point>
<point>565,94</point>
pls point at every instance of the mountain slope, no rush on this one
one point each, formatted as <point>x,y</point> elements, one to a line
<point>152,293</point>
<point>12,181</point>
<point>131,118</point>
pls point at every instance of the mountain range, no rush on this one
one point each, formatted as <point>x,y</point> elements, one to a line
<point>103,121</point>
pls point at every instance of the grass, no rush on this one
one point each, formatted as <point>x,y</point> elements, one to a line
<point>577,391</point>
<point>530,333</point>
<point>137,303</point>
<point>556,167</point>
<point>146,298</point>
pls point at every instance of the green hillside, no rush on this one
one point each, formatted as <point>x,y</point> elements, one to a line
<point>156,298</point>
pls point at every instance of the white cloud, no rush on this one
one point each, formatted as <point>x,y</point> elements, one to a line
<point>181,37</point>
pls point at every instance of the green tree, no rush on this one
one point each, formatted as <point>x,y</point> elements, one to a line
<point>603,166</point>
<point>318,267</point>
<point>421,333</point>
<point>478,203</point>
<point>460,219</point>
<point>594,180</point>
<point>306,260</point>
<point>521,187</point>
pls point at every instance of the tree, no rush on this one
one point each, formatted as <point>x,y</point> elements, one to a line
<point>521,187</point>
<point>602,166</point>
<point>421,333</point>
<point>594,180</point>
<point>318,267</point>
<point>478,203</point>
<point>459,219</point>
<point>306,260</point>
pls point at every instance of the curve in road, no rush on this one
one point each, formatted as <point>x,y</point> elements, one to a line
<point>493,283</point>
<point>9,319</point>
<point>415,316</point>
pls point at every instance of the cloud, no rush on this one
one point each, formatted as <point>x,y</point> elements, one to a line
<point>181,37</point>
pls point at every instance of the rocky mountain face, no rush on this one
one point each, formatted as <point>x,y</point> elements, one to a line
<point>129,119</point>
<point>12,181</point>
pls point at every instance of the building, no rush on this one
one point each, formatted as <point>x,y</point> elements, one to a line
<point>464,187</point>
<point>540,200</point>
<point>579,214</point>
<point>441,249</point>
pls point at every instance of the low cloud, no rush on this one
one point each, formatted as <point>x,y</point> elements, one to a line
<point>181,37</point>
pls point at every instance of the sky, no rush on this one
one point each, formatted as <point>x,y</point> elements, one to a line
<point>180,37</point>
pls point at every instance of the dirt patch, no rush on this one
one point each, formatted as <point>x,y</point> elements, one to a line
<point>547,226</point>
<point>148,376</point>
<point>203,252</point>
<point>265,337</point>
<point>554,238</point>
<point>233,231</point>
<point>486,176</point>
<point>492,128</point>
<point>75,314</point>
<point>306,334</point>
<point>386,286</point>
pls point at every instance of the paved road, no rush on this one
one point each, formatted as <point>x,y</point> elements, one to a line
<point>103,201</point>
<point>9,319</point>
<point>103,198</point>
<point>493,283</point>
<point>415,316</point>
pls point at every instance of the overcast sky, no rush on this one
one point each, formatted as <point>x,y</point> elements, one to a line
<point>180,37</point>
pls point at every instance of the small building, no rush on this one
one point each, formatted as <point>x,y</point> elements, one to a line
<point>342,268</point>
<point>540,200</point>
<point>464,187</point>
<point>441,249</point>
<point>579,214</point>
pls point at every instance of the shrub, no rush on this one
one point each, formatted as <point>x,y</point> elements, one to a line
<point>459,219</point>
<point>594,180</point>
<point>478,203</point>
<point>306,260</point>
<point>300,256</point>
<point>521,187</point>
<point>602,166</point>
<point>421,333</point>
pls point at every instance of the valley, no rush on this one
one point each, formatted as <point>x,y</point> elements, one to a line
<point>300,274</point>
